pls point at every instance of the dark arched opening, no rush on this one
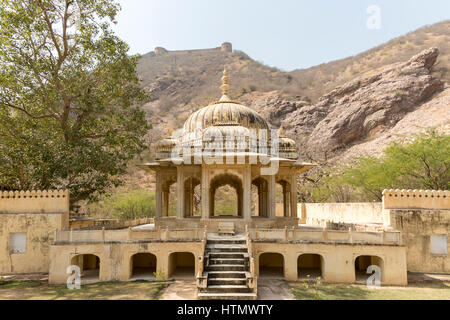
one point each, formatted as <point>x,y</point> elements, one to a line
<point>89,265</point>
<point>271,265</point>
<point>143,266</point>
<point>310,266</point>
<point>362,263</point>
<point>181,265</point>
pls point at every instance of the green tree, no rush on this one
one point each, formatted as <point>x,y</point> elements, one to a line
<point>419,162</point>
<point>70,97</point>
<point>128,205</point>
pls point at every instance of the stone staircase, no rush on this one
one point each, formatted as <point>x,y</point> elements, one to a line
<point>226,270</point>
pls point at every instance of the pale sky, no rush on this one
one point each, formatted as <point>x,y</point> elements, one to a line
<point>288,34</point>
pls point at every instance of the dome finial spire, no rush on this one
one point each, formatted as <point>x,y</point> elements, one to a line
<point>225,84</point>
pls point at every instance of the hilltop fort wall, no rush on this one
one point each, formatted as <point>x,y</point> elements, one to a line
<point>159,51</point>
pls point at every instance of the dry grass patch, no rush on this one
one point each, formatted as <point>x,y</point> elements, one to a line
<point>40,290</point>
<point>418,291</point>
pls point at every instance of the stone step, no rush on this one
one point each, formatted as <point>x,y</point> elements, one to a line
<point>226,267</point>
<point>226,241</point>
<point>226,248</point>
<point>227,281</point>
<point>228,289</point>
<point>226,296</point>
<point>226,274</point>
<point>215,261</point>
<point>214,255</point>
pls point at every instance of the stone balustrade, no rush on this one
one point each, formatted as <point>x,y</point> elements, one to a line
<point>89,224</point>
<point>327,236</point>
<point>197,234</point>
<point>127,235</point>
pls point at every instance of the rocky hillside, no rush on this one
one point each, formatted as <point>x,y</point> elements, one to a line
<point>365,107</point>
<point>335,111</point>
<point>317,81</point>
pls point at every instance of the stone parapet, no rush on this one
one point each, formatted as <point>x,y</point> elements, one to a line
<point>416,199</point>
<point>39,202</point>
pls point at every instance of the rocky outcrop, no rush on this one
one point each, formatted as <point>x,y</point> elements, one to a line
<point>434,113</point>
<point>365,107</point>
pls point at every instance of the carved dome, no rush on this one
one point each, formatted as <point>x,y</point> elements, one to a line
<point>164,148</point>
<point>286,146</point>
<point>226,130</point>
<point>227,126</point>
<point>224,111</point>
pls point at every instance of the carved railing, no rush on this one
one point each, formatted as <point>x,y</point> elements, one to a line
<point>203,260</point>
<point>158,234</point>
<point>252,281</point>
<point>326,235</point>
<point>93,224</point>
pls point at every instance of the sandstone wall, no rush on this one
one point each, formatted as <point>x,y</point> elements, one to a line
<point>420,215</point>
<point>37,215</point>
<point>338,260</point>
<point>417,227</point>
<point>350,213</point>
<point>115,258</point>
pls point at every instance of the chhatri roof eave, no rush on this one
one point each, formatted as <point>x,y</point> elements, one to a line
<point>300,163</point>
<point>150,167</point>
<point>303,167</point>
<point>155,166</point>
<point>300,167</point>
<point>265,157</point>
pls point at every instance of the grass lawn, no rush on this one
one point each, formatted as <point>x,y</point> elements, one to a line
<point>415,291</point>
<point>41,290</point>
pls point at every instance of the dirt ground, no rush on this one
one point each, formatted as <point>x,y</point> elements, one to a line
<point>36,287</point>
<point>420,287</point>
<point>41,290</point>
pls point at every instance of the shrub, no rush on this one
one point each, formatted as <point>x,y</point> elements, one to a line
<point>399,93</point>
<point>420,162</point>
<point>129,205</point>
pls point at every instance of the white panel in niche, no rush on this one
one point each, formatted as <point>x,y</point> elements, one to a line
<point>438,244</point>
<point>18,242</point>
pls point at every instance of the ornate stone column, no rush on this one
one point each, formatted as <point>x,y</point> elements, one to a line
<point>247,192</point>
<point>271,212</point>
<point>294,200</point>
<point>286,193</point>
<point>180,192</point>
<point>158,195</point>
<point>165,202</point>
<point>205,193</point>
